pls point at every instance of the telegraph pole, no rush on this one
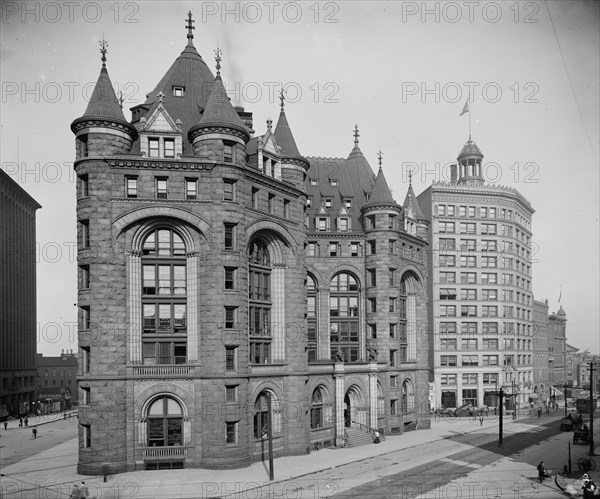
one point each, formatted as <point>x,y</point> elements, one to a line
<point>591,435</point>
<point>270,436</point>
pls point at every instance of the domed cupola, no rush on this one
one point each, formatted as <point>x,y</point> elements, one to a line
<point>220,134</point>
<point>103,129</point>
<point>469,164</point>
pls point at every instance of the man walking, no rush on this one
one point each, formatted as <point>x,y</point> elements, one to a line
<point>34,431</point>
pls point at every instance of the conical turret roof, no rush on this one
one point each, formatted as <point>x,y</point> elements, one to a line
<point>411,202</point>
<point>381,193</point>
<point>285,139</point>
<point>220,112</point>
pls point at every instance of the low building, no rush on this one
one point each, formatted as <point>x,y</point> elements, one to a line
<point>56,382</point>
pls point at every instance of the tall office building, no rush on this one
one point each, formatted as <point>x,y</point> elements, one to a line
<point>480,288</point>
<point>212,308</point>
<point>17,299</point>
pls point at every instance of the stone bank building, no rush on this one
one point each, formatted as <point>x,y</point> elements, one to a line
<point>228,285</point>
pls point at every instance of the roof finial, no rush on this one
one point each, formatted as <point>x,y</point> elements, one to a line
<point>121,99</point>
<point>189,26</point>
<point>410,177</point>
<point>160,97</point>
<point>269,124</point>
<point>282,99</point>
<point>380,157</point>
<point>103,50</point>
<point>356,135</point>
<point>218,53</point>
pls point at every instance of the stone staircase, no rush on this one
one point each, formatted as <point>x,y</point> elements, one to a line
<point>357,436</point>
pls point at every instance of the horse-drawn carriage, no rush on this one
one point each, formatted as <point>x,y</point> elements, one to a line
<point>581,435</point>
<point>571,422</point>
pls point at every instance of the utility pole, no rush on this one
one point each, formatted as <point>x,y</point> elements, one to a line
<point>270,436</point>
<point>501,395</point>
<point>591,435</point>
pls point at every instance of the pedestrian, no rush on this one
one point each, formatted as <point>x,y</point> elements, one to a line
<point>542,471</point>
<point>588,486</point>
<point>5,425</point>
<point>26,422</point>
<point>376,440</point>
<point>84,491</point>
<point>539,413</point>
<point>480,420</point>
<point>20,422</point>
<point>75,493</point>
<point>34,431</point>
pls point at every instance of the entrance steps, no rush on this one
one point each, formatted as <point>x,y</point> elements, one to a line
<point>357,436</point>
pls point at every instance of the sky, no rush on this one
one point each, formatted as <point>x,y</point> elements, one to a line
<point>401,71</point>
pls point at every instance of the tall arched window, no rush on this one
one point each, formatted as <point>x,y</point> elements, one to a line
<point>408,396</point>
<point>165,423</point>
<point>259,294</point>
<point>380,400</point>
<point>343,317</point>
<point>311,317</point>
<point>261,415</point>
<point>316,409</point>
<point>164,297</point>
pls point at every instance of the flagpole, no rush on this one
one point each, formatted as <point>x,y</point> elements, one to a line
<point>470,112</point>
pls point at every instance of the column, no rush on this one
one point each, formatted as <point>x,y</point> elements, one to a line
<point>192,308</point>
<point>373,399</point>
<point>278,313</point>
<point>411,326</point>
<point>338,374</point>
<point>134,270</point>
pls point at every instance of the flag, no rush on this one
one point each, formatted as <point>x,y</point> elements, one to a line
<point>465,108</point>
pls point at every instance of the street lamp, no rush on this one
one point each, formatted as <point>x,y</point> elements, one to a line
<point>500,395</point>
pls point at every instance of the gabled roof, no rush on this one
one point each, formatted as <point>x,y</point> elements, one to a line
<point>190,72</point>
<point>411,205</point>
<point>159,120</point>
<point>285,139</point>
<point>381,193</point>
<point>220,112</point>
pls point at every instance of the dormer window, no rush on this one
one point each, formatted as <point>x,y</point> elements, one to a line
<point>153,147</point>
<point>348,203</point>
<point>334,182</point>
<point>178,91</point>
<point>327,202</point>
<point>314,181</point>
<point>308,202</point>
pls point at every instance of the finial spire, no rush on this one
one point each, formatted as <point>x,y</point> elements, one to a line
<point>190,26</point>
<point>356,135</point>
<point>282,99</point>
<point>218,53</point>
<point>409,177</point>
<point>103,50</point>
<point>121,99</point>
<point>269,124</point>
<point>380,157</point>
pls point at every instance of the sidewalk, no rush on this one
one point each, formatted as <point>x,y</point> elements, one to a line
<point>55,469</point>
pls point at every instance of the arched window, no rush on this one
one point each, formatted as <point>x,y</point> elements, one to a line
<point>408,396</point>
<point>164,298</point>
<point>311,317</point>
<point>165,423</point>
<point>316,409</point>
<point>259,294</point>
<point>380,400</point>
<point>261,415</point>
<point>343,317</point>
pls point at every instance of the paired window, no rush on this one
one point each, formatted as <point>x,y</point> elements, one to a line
<point>165,423</point>
<point>344,320</point>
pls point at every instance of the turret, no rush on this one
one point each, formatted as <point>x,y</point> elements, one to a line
<point>103,129</point>
<point>415,222</point>
<point>293,164</point>
<point>220,135</point>
<point>469,164</point>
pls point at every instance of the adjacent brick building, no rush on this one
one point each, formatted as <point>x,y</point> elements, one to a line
<point>56,381</point>
<point>17,299</point>
<point>213,299</point>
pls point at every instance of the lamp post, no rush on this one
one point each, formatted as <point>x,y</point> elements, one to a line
<point>500,395</point>
<point>591,435</point>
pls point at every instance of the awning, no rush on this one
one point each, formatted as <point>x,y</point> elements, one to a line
<point>557,392</point>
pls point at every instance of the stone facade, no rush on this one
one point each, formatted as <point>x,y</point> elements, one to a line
<point>193,260</point>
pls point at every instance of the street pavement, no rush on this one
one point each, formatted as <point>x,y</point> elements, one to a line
<point>51,473</point>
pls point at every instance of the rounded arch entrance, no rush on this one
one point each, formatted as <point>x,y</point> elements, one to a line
<point>354,407</point>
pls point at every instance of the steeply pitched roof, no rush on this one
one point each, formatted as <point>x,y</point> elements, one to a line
<point>219,110</point>
<point>285,139</point>
<point>104,102</point>
<point>411,205</point>
<point>190,72</point>
<point>381,193</point>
